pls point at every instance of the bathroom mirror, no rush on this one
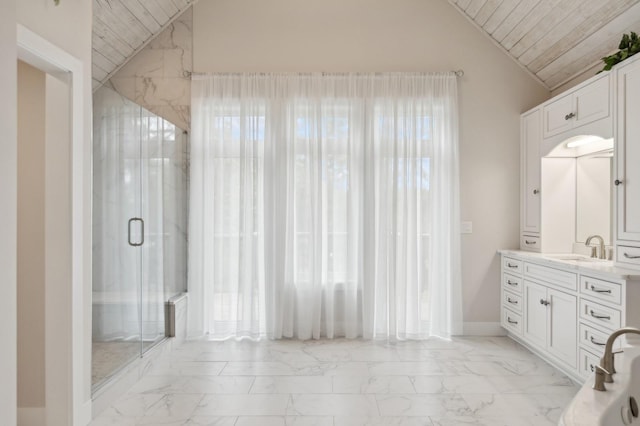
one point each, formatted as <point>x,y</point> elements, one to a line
<point>585,164</point>
<point>593,196</point>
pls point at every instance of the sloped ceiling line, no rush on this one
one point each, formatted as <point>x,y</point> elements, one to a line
<point>553,40</point>
<point>121,28</point>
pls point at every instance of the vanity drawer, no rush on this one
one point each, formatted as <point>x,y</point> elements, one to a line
<point>512,282</point>
<point>530,242</point>
<point>512,321</point>
<point>512,265</point>
<point>599,314</point>
<point>594,340</point>
<point>512,301</point>
<point>601,290</point>
<point>629,255</point>
<point>588,362</point>
<point>555,277</point>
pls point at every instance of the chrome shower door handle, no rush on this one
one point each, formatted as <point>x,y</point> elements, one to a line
<point>135,219</point>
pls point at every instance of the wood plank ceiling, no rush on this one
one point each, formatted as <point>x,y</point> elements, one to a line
<point>121,28</point>
<point>555,40</point>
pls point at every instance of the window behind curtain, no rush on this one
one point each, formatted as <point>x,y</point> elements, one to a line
<point>314,204</point>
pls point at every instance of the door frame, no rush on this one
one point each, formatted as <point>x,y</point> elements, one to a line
<point>75,372</point>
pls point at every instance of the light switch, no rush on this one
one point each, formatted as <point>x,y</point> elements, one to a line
<point>466,227</point>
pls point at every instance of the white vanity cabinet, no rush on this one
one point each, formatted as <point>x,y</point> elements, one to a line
<point>531,130</point>
<point>601,311</point>
<point>564,312</point>
<point>585,109</point>
<point>550,320</point>
<point>627,163</point>
<point>512,291</point>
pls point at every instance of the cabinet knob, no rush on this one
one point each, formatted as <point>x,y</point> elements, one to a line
<point>544,302</point>
<point>617,182</point>
<point>536,191</point>
<point>569,116</point>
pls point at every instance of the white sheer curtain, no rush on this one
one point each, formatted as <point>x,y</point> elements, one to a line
<point>324,205</point>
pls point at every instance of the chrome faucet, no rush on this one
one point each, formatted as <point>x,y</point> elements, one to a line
<point>601,252</point>
<point>606,369</point>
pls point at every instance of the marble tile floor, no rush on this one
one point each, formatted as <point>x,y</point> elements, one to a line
<point>466,381</point>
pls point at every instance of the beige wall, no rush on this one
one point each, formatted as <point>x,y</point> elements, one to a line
<point>8,211</point>
<point>399,35</point>
<point>31,276</point>
<point>68,26</point>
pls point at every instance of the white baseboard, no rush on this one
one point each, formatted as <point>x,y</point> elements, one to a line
<point>31,416</point>
<point>483,329</point>
<point>85,415</point>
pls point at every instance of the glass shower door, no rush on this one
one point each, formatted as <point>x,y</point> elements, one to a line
<point>117,233</point>
<point>152,290</point>
<point>140,191</point>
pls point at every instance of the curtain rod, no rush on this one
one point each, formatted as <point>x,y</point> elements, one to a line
<point>189,74</point>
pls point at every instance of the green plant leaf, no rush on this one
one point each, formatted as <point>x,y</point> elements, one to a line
<point>629,45</point>
<point>624,43</point>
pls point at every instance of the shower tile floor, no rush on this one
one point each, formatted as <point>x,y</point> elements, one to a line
<point>108,357</point>
<point>466,381</point>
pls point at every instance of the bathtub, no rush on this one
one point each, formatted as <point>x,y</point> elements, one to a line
<point>612,407</point>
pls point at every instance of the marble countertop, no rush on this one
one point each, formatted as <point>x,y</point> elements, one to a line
<point>576,263</point>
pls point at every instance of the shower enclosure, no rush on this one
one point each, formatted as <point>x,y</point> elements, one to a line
<point>140,189</point>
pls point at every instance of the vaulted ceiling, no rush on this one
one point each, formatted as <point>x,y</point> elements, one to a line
<point>121,28</point>
<point>554,40</point>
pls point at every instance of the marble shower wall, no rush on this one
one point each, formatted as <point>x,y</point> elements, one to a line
<point>156,78</point>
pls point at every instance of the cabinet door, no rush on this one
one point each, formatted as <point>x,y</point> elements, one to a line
<point>530,163</point>
<point>562,333</point>
<point>535,322</point>
<point>628,152</point>
<point>556,116</point>
<point>592,102</point>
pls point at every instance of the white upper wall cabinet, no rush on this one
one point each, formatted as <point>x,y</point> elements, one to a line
<point>558,116</point>
<point>585,110</point>
<point>548,185</point>
<point>627,160</point>
<point>591,102</point>
<point>530,162</point>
